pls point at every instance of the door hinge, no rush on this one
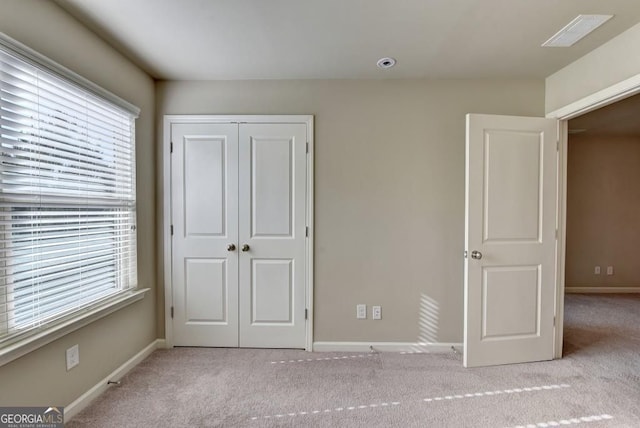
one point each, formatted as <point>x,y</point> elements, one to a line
<point>306,231</point>
<point>171,311</point>
<point>171,230</point>
<point>554,321</point>
<point>171,147</point>
<point>556,233</point>
<point>306,314</point>
<point>307,147</point>
<point>558,145</point>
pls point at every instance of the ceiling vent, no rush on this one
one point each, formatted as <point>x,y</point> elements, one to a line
<point>576,30</point>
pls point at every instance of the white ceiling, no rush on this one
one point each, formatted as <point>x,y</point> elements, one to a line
<point>311,39</point>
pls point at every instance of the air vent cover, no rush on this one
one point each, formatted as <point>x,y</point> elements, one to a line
<point>576,30</point>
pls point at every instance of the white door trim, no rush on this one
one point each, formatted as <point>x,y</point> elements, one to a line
<point>606,96</point>
<point>166,205</point>
<point>610,95</point>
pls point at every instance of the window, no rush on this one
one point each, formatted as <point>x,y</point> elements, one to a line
<point>67,194</point>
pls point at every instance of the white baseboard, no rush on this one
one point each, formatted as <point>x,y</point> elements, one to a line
<point>85,399</point>
<point>408,347</point>
<point>600,290</point>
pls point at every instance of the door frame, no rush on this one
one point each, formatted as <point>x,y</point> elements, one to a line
<point>604,97</point>
<point>170,119</point>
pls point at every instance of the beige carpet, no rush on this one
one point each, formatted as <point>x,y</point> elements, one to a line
<point>597,384</point>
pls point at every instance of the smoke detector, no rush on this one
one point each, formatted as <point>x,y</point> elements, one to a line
<point>386,62</point>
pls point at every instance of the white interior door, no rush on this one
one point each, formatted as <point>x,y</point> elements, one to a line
<point>204,192</point>
<point>510,239</point>
<point>272,235</point>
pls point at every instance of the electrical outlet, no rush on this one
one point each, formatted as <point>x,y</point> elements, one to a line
<point>596,270</point>
<point>73,357</point>
<point>376,312</point>
<point>609,270</point>
<point>361,312</point>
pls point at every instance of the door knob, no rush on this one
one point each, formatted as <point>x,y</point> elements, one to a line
<point>476,255</point>
<point>245,247</point>
<point>231,247</point>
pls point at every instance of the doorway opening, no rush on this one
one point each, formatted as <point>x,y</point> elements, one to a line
<point>603,205</point>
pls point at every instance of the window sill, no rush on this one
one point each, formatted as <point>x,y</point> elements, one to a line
<point>48,335</point>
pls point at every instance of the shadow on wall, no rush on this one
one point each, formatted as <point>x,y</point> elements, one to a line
<point>428,323</point>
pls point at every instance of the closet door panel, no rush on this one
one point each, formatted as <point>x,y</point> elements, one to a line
<point>272,186</point>
<point>204,191</point>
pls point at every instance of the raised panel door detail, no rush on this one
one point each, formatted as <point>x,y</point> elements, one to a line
<point>510,302</point>
<point>512,186</point>
<point>272,291</point>
<point>206,290</point>
<point>510,219</point>
<point>272,183</point>
<point>271,187</point>
<point>243,184</point>
<point>204,219</point>
<point>204,185</point>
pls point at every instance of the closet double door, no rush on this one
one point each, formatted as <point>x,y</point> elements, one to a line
<point>238,202</point>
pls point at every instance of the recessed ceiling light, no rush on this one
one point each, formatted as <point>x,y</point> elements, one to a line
<point>386,62</point>
<point>576,30</point>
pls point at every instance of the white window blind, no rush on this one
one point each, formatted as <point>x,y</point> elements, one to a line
<point>67,197</point>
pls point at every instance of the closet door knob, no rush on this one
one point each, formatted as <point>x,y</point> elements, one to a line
<point>246,247</point>
<point>231,247</point>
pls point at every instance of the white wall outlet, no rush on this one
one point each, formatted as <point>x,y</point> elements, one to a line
<point>73,357</point>
<point>361,312</point>
<point>376,312</point>
<point>609,270</point>
<point>596,270</point>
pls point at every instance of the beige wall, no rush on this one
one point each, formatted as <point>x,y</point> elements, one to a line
<point>613,62</point>
<point>603,208</point>
<point>389,190</point>
<point>40,378</point>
